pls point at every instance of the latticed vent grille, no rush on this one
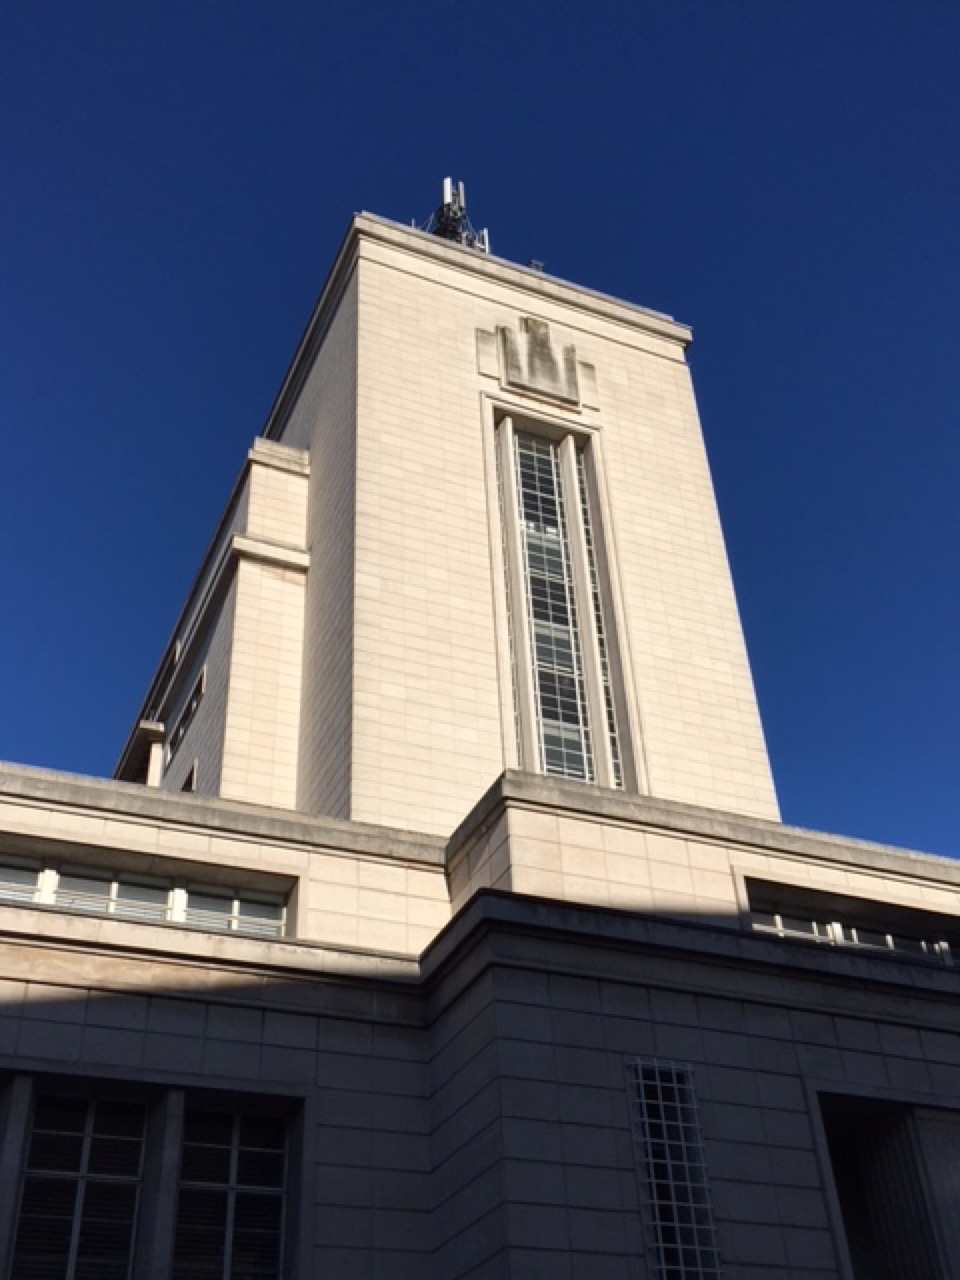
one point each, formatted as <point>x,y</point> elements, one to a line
<point>681,1237</point>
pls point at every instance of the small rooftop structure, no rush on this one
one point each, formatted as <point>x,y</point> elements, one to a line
<point>450,221</point>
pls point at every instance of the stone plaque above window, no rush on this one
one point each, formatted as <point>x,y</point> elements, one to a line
<point>528,358</point>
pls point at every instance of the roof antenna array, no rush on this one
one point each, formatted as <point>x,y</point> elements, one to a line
<point>450,220</point>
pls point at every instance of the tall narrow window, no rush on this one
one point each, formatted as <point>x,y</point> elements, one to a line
<point>563,680</point>
<point>80,1191</point>
<point>230,1208</point>
<point>186,716</point>
<point>606,675</point>
<point>667,1133</point>
<point>551,605</point>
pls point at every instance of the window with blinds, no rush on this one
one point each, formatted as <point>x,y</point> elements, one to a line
<point>18,883</point>
<point>209,910</point>
<point>798,913</point>
<point>116,897</point>
<point>230,1211</point>
<point>78,1207</point>
<point>99,892</point>
<point>100,1187</point>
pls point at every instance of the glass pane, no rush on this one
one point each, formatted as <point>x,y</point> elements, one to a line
<point>259,1213</point>
<point>213,903</point>
<point>49,1198</point>
<point>116,1157</point>
<point>18,884</point>
<point>269,1133</point>
<point>202,1211</point>
<point>209,911</point>
<point>106,1233</point>
<point>142,901</point>
<point>205,1164</point>
<point>266,911</point>
<point>914,945</point>
<point>260,1169</point>
<point>256,1255</point>
<point>201,1234</point>
<point>211,1127</point>
<point>60,1115</point>
<point>42,1248</point>
<point>109,1202</point>
<point>264,918</point>
<point>119,1119</point>
<point>60,1152</point>
<point>208,1266</point>
<point>82,893</point>
<point>871,938</point>
<point>798,924</point>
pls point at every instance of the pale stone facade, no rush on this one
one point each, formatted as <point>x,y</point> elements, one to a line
<point>341,980</point>
<point>405,704</point>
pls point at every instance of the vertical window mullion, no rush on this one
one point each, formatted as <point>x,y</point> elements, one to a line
<point>603,612</point>
<point>231,1201</point>
<point>531,753</point>
<point>178,904</point>
<point>583,590</point>
<point>47,886</point>
<point>81,1189</point>
<point>16,1102</point>
<point>153,1256</point>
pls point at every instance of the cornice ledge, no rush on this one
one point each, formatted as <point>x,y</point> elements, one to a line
<point>517,789</point>
<point>250,547</point>
<point>373,227</point>
<point>133,802</point>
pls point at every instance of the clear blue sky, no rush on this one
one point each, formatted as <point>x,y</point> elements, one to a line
<point>782,174</point>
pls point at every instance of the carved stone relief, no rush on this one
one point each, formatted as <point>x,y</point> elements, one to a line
<point>529,359</point>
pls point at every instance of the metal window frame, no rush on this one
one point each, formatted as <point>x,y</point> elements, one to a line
<point>588,587</point>
<point>46,893</point>
<point>188,712</point>
<point>838,932</point>
<point>669,1144</point>
<point>233,1188</point>
<point>82,1178</point>
<point>151,1250</point>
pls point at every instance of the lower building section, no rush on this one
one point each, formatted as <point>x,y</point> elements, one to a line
<point>555,1090</point>
<point>120,1179</point>
<point>896,1169</point>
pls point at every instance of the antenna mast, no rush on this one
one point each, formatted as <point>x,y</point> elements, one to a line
<point>450,221</point>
